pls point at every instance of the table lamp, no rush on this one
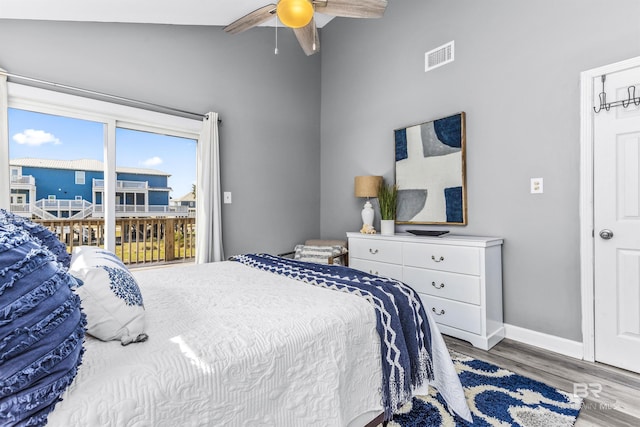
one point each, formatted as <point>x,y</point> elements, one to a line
<point>367,186</point>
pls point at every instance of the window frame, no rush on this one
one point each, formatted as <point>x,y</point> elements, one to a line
<point>112,116</point>
<point>79,181</point>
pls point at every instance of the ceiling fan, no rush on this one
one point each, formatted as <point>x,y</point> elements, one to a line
<point>298,14</point>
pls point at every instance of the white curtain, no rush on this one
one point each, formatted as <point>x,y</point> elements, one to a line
<point>5,175</point>
<point>208,200</point>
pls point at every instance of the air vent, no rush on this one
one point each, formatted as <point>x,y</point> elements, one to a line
<point>439,56</point>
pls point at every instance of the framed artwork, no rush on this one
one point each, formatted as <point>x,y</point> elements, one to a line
<point>430,172</point>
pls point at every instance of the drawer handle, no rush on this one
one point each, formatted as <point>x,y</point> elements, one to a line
<point>440,313</point>
<point>373,251</point>
<point>371,272</point>
<point>437,260</point>
<point>436,286</point>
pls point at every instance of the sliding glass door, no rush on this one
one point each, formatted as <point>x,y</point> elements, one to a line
<point>103,174</point>
<point>54,161</point>
<point>155,196</point>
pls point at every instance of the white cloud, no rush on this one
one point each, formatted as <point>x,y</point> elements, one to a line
<point>153,161</point>
<point>35,138</point>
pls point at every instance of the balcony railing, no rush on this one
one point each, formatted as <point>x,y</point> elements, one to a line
<point>122,185</point>
<point>138,241</point>
<point>141,210</point>
<point>62,204</point>
<point>20,208</point>
<point>23,179</point>
<point>78,209</point>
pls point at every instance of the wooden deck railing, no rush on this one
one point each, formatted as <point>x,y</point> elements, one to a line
<point>138,240</point>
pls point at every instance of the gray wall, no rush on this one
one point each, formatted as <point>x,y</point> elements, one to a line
<point>270,105</point>
<point>516,75</point>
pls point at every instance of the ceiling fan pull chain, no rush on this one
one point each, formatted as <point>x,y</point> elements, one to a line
<point>276,50</point>
<point>315,30</point>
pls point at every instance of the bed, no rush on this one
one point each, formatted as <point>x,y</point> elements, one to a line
<point>229,344</point>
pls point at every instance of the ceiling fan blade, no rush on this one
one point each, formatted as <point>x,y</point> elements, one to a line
<point>352,8</point>
<point>308,38</point>
<point>252,19</point>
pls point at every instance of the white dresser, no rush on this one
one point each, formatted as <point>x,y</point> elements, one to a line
<point>459,278</point>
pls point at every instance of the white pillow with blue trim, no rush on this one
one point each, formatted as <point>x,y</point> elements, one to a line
<point>110,295</point>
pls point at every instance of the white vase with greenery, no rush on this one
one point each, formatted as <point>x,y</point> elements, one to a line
<point>388,199</point>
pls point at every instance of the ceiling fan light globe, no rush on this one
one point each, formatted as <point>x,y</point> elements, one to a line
<point>295,13</point>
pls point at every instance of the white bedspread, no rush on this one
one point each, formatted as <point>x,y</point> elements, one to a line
<point>234,346</point>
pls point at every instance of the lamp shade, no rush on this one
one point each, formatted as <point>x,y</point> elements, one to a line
<point>367,186</point>
<point>295,13</point>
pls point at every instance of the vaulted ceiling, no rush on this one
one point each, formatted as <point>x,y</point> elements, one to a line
<point>178,12</point>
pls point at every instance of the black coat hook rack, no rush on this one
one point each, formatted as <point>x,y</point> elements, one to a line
<point>604,105</point>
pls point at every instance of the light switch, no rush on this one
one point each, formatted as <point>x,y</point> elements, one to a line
<point>227,197</point>
<point>537,186</point>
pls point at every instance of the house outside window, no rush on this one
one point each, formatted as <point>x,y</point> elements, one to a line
<point>80,178</point>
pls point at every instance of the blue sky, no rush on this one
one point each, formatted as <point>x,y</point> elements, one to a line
<point>46,136</point>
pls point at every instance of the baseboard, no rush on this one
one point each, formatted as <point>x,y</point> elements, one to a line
<point>548,342</point>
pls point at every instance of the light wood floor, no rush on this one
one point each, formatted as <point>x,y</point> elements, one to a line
<point>617,405</point>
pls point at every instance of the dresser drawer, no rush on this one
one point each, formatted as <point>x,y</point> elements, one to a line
<point>442,257</point>
<point>376,250</point>
<point>452,313</point>
<point>458,287</point>
<point>378,268</point>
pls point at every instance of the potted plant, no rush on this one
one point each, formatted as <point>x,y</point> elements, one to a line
<point>387,198</point>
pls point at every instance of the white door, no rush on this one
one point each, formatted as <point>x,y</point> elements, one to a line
<point>616,175</point>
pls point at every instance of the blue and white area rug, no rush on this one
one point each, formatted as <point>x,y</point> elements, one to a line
<point>496,397</point>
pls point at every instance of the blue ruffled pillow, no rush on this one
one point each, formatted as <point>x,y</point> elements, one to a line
<point>40,232</point>
<point>42,329</point>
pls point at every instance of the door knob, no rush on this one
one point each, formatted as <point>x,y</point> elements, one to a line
<point>606,234</point>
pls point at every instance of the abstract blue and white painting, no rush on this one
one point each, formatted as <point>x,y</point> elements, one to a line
<point>430,172</point>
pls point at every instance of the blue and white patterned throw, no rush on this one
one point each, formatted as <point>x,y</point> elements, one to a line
<point>405,337</point>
